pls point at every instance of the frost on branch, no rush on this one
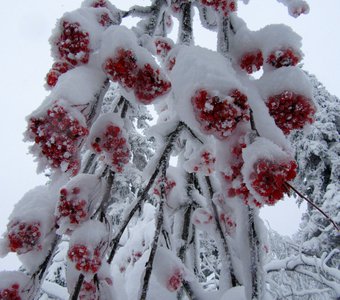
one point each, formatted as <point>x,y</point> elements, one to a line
<point>108,137</point>
<point>78,200</point>
<point>57,129</point>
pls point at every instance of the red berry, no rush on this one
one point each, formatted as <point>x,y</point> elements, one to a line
<point>268,179</point>
<point>150,84</point>
<point>224,6</point>
<point>122,68</point>
<point>290,111</point>
<point>163,47</point>
<point>169,184</point>
<point>24,237</point>
<point>252,61</point>
<point>283,58</point>
<point>88,261</point>
<point>58,135</point>
<point>175,281</point>
<point>57,69</point>
<point>114,146</point>
<point>220,116</point>
<point>73,44</point>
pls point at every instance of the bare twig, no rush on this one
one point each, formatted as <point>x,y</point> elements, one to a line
<point>313,204</point>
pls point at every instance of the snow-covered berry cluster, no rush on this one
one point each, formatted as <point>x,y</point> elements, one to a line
<point>205,164</point>
<point>73,44</point>
<point>219,115</point>
<point>85,259</point>
<point>147,82</point>
<point>174,282</point>
<point>228,222</point>
<point>113,144</point>
<point>169,184</point>
<point>58,68</point>
<point>283,58</point>
<point>163,47</point>
<point>71,206</point>
<point>268,179</point>
<point>290,111</point>
<point>122,68</point>
<point>224,6</point>
<point>202,216</point>
<point>88,291</point>
<point>58,135</point>
<point>23,236</point>
<point>10,293</point>
<point>12,285</point>
<point>251,61</point>
<point>233,177</point>
<point>77,201</point>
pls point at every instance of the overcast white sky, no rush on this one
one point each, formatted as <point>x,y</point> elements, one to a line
<point>25,27</point>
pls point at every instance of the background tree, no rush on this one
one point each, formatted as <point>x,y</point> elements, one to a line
<point>135,226</point>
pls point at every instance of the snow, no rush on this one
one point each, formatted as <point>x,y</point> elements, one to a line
<point>79,86</point>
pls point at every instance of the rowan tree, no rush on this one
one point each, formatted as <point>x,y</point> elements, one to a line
<point>137,226</point>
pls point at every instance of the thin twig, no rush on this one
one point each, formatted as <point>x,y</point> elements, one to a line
<point>159,224</point>
<point>314,205</point>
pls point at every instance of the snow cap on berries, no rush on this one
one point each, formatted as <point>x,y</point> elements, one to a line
<point>87,247</point>
<point>275,40</point>
<point>30,222</point>
<point>266,169</point>
<point>78,200</point>
<point>13,285</point>
<point>205,74</point>
<point>76,35</point>
<point>58,129</point>
<point>168,269</point>
<point>132,66</point>
<point>108,137</point>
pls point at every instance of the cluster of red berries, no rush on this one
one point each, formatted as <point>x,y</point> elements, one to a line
<point>175,281</point>
<point>283,58</point>
<point>169,184</point>
<point>73,44</point>
<point>57,69</point>
<point>71,206</point>
<point>148,83</point>
<point>10,293</point>
<point>202,217</point>
<point>176,5</point>
<point>24,237</point>
<point>206,163</point>
<point>228,222</point>
<point>220,116</point>
<point>234,178</point>
<point>224,6</point>
<point>122,68</point>
<point>290,111</point>
<point>252,61</point>
<point>88,291</point>
<point>114,145</point>
<point>85,260</point>
<point>58,135</point>
<point>269,178</point>
<point>163,47</point>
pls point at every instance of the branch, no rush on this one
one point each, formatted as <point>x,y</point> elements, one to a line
<point>185,36</point>
<point>77,288</point>
<point>159,224</point>
<point>313,204</point>
<point>142,195</point>
<point>234,281</point>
